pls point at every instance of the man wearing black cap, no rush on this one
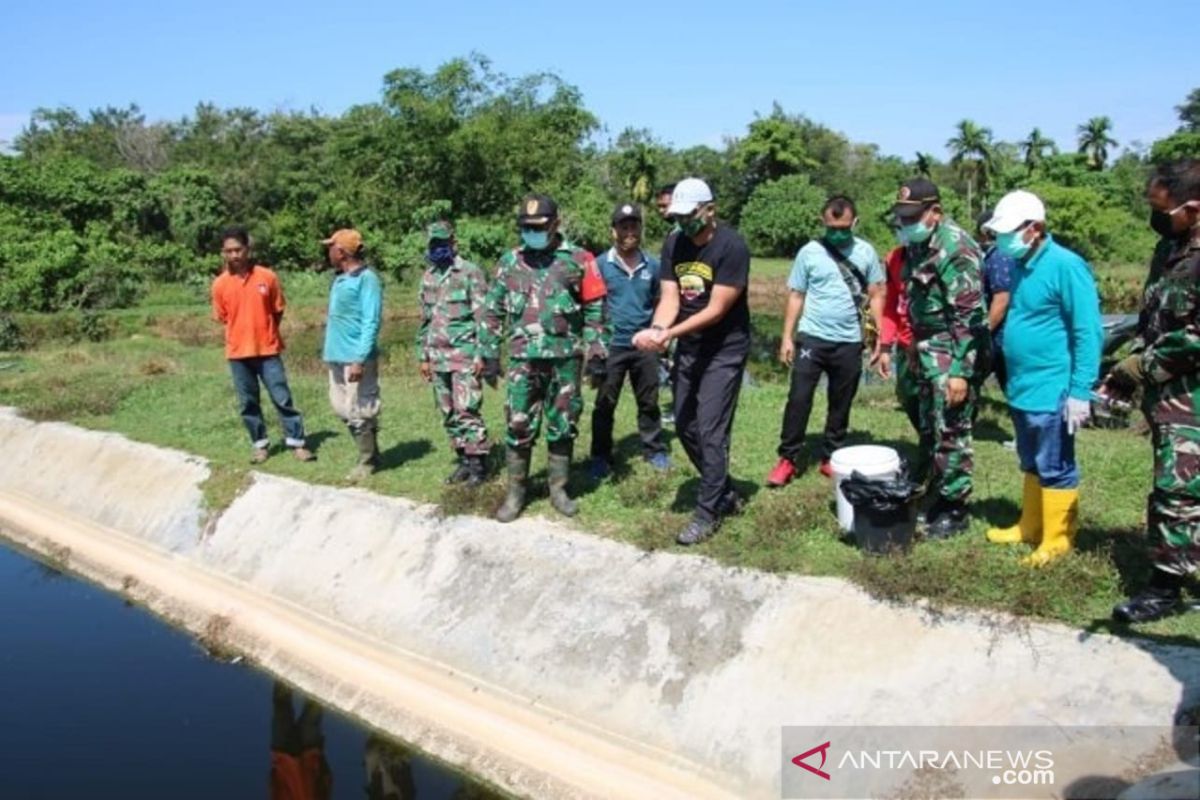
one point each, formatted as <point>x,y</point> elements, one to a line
<point>552,297</point>
<point>631,281</point>
<point>705,272</point>
<point>944,282</point>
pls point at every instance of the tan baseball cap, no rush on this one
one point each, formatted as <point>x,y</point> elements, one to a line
<point>348,239</point>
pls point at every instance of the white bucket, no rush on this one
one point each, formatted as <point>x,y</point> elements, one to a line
<point>870,461</point>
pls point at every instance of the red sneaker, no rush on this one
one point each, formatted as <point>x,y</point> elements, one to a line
<point>782,473</point>
<point>826,469</point>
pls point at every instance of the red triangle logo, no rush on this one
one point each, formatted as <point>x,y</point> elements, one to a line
<point>823,749</point>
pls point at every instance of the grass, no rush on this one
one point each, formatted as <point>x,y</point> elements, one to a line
<point>162,379</point>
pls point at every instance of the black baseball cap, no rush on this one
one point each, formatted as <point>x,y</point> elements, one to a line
<point>537,209</point>
<point>914,195</point>
<point>625,211</point>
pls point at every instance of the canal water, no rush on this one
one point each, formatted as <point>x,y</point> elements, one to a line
<point>100,699</point>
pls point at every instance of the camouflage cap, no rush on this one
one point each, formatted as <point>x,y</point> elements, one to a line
<point>440,230</point>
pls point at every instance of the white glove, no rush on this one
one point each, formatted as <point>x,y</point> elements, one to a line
<point>1076,413</point>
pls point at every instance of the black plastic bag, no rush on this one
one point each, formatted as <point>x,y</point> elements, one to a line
<point>890,494</point>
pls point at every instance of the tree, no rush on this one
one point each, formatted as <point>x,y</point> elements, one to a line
<point>772,148</point>
<point>1189,113</point>
<point>971,155</point>
<point>636,161</point>
<point>782,215</point>
<point>1033,149</point>
<point>924,164</point>
<point>1095,139</point>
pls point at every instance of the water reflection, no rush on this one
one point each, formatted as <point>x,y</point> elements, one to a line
<point>389,770</point>
<point>299,770</point>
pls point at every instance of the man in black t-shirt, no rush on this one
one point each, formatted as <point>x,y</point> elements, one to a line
<point>702,304</point>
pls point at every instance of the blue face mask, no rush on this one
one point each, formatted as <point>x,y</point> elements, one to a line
<point>535,240</point>
<point>1013,244</point>
<point>441,255</point>
<point>914,233</point>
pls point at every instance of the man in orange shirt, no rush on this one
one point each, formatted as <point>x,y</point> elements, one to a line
<point>248,301</point>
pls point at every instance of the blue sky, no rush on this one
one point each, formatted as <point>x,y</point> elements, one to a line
<point>896,74</point>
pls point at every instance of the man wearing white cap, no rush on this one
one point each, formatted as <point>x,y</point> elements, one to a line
<point>702,303</point>
<point>1052,349</point>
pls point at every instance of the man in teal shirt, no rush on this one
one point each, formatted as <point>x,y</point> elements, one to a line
<point>1052,349</point>
<point>823,332</point>
<point>351,346</point>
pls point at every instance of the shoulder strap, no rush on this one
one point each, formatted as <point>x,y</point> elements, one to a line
<point>848,268</point>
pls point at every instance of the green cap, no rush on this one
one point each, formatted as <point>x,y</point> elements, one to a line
<point>440,230</point>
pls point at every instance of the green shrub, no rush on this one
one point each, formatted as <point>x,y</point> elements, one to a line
<point>782,215</point>
<point>11,338</point>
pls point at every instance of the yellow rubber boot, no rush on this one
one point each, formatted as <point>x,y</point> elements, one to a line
<point>1060,512</point>
<point>1029,528</point>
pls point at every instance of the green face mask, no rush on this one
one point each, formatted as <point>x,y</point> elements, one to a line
<point>691,225</point>
<point>915,233</point>
<point>839,237</point>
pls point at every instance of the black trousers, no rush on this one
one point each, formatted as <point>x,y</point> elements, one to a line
<point>841,364</point>
<point>706,394</point>
<point>642,369</point>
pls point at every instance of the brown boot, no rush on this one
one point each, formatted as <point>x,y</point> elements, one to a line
<point>368,451</point>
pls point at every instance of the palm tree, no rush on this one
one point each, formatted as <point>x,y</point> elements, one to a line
<point>1094,140</point>
<point>971,153</point>
<point>1035,148</point>
<point>924,164</point>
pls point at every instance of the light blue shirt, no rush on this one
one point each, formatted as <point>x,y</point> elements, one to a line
<point>355,311</point>
<point>829,308</point>
<point>1053,333</point>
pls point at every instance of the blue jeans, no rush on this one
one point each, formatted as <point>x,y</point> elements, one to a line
<point>1046,449</point>
<point>247,372</point>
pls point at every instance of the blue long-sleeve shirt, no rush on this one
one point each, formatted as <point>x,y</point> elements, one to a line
<point>1053,332</point>
<point>355,312</point>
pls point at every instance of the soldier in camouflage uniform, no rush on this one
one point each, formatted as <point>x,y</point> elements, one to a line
<point>552,297</point>
<point>944,283</point>
<point>448,345</point>
<point>1166,365</point>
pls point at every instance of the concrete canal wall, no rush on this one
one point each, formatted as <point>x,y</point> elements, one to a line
<point>550,662</point>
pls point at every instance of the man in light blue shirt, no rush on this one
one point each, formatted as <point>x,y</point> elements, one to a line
<point>1052,347</point>
<point>823,332</point>
<point>351,346</point>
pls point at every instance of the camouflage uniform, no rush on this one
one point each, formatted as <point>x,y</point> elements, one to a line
<point>944,282</point>
<point>555,314</point>
<point>449,339</point>
<point>1169,333</point>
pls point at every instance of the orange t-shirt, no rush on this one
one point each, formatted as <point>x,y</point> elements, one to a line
<point>249,306</point>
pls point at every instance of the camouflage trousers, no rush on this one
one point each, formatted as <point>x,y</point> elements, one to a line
<point>459,396</point>
<point>908,394</point>
<point>945,430</point>
<point>1174,502</point>
<point>543,387</point>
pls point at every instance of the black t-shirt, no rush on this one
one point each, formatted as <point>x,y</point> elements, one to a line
<point>724,260</point>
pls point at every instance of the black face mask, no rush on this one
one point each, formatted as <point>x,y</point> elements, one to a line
<point>1160,223</point>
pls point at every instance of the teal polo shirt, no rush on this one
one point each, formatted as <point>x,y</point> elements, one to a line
<point>1053,332</point>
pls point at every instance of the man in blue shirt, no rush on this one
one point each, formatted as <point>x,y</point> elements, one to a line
<point>1053,353</point>
<point>351,346</point>
<point>632,280</point>
<point>823,332</point>
<point>997,292</point>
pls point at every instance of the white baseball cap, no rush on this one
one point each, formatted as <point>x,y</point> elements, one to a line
<point>1014,210</point>
<point>689,194</point>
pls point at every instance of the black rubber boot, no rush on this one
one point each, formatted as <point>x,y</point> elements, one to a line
<point>518,477</point>
<point>476,470</point>
<point>947,519</point>
<point>558,469</point>
<point>462,471</point>
<point>1162,598</point>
